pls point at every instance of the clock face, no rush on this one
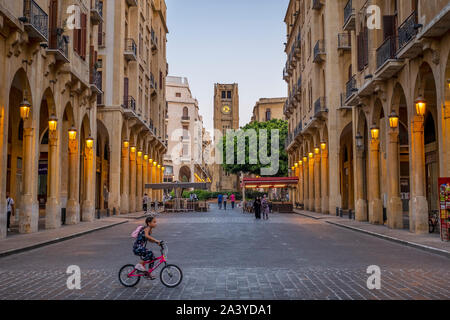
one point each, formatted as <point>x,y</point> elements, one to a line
<point>226,109</point>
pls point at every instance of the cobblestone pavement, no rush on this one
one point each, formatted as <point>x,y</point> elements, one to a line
<point>229,255</point>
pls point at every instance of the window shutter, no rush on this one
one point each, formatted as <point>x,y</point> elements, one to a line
<point>76,40</point>
<point>53,14</point>
<point>360,52</point>
<point>125,91</point>
<point>366,46</point>
<point>100,34</point>
<point>83,35</point>
<point>388,26</point>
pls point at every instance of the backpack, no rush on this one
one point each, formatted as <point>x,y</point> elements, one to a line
<point>136,232</point>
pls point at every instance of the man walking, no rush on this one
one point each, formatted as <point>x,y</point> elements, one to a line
<point>225,198</point>
<point>10,211</point>
<point>219,201</point>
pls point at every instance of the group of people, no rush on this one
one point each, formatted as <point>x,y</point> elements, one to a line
<point>261,206</point>
<point>222,199</point>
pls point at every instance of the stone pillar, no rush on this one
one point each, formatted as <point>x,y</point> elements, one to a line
<point>311,184</point>
<point>154,181</point>
<point>145,174</point>
<point>419,205</point>
<point>139,184</point>
<point>124,200</point>
<point>88,206</point>
<point>73,203</point>
<point>149,176</point>
<point>3,162</point>
<point>361,203</point>
<point>53,208</point>
<point>394,206</point>
<point>324,182</point>
<point>305,185</point>
<point>375,204</point>
<point>29,213</point>
<point>301,198</point>
<point>296,191</point>
<point>132,196</point>
<point>317,187</point>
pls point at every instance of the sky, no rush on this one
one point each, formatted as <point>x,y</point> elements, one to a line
<point>228,41</point>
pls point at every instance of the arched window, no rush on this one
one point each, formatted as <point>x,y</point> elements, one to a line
<point>268,114</point>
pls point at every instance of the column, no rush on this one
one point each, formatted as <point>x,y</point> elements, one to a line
<point>139,183</point>
<point>88,207</point>
<point>324,182</point>
<point>317,184</point>
<point>145,174</point>
<point>29,213</point>
<point>73,203</point>
<point>305,185</point>
<point>296,191</point>
<point>52,208</point>
<point>132,196</point>
<point>361,203</point>
<point>419,206</point>
<point>3,164</point>
<point>149,175</point>
<point>124,201</point>
<point>311,184</point>
<point>394,205</point>
<point>154,179</point>
<point>375,204</point>
<point>300,185</point>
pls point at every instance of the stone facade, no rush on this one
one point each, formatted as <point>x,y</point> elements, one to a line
<point>269,108</point>
<point>184,160</point>
<point>72,76</point>
<point>226,117</point>
<point>348,84</point>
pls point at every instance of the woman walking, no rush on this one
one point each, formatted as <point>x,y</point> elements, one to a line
<point>257,208</point>
<point>265,208</point>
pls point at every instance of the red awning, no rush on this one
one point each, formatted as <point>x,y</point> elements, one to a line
<point>270,182</point>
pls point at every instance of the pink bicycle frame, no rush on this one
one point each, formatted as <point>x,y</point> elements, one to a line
<point>161,260</point>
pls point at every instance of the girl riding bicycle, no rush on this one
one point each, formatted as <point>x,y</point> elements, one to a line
<point>139,247</point>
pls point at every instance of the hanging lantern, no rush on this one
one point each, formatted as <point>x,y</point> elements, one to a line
<point>316,150</point>
<point>300,162</point>
<point>52,123</point>
<point>296,165</point>
<point>323,145</point>
<point>293,168</point>
<point>133,149</point>
<point>150,161</point>
<point>90,142</point>
<point>155,163</point>
<point>421,105</point>
<point>126,144</point>
<point>159,166</point>
<point>393,120</point>
<point>359,141</point>
<point>375,132</point>
<point>311,155</point>
<point>145,157</point>
<point>139,153</point>
<point>72,134</point>
<point>25,107</point>
<point>305,159</point>
<point>163,168</point>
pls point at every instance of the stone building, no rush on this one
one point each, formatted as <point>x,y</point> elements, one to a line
<point>226,117</point>
<point>61,102</point>
<point>368,107</point>
<point>184,159</point>
<point>267,109</point>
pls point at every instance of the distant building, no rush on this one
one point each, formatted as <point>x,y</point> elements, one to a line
<point>267,109</point>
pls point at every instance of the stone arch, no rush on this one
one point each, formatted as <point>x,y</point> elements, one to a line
<point>103,156</point>
<point>346,167</point>
<point>185,174</point>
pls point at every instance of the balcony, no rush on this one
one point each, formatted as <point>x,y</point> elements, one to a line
<point>387,63</point>
<point>317,5</point>
<point>285,75</point>
<point>132,3</point>
<point>344,42</point>
<point>129,105</point>
<point>350,89</point>
<point>153,85</point>
<point>59,45</point>
<point>101,100</point>
<point>298,90</point>
<point>154,40</point>
<point>185,119</point>
<point>35,21</point>
<point>96,12</point>
<point>406,33</point>
<point>95,81</point>
<point>298,46</point>
<point>349,17</point>
<point>130,50</point>
<point>320,108</point>
<point>319,52</point>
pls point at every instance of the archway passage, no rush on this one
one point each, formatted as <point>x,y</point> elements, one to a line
<point>185,174</point>
<point>102,177</point>
<point>346,168</point>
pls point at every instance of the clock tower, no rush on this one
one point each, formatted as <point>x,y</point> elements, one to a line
<point>226,116</point>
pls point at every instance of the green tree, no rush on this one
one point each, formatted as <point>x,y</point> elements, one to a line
<point>249,168</point>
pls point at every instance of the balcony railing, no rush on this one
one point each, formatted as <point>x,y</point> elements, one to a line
<point>129,103</point>
<point>349,16</point>
<point>350,87</point>
<point>130,49</point>
<point>96,11</point>
<point>153,84</point>
<point>59,44</point>
<point>154,39</point>
<point>386,51</point>
<point>35,21</point>
<point>319,50</point>
<point>407,31</point>
<point>185,118</point>
<point>320,106</point>
<point>344,41</point>
<point>96,80</point>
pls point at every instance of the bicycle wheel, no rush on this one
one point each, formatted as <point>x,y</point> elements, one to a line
<point>124,279</point>
<point>171,276</point>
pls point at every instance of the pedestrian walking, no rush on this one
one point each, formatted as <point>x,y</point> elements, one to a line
<point>265,208</point>
<point>105,196</point>
<point>219,201</point>
<point>225,198</point>
<point>232,199</point>
<point>10,211</point>
<point>257,208</point>
<point>145,203</point>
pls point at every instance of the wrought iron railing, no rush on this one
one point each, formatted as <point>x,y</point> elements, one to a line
<point>348,11</point>
<point>130,46</point>
<point>319,49</point>
<point>153,84</point>
<point>350,87</point>
<point>154,39</point>
<point>320,106</point>
<point>98,6</point>
<point>129,103</point>
<point>386,51</point>
<point>60,42</point>
<point>36,17</point>
<point>408,30</point>
<point>96,78</point>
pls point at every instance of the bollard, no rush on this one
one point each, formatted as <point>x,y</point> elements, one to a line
<point>98,214</point>
<point>114,211</point>
<point>63,216</point>
<point>350,214</point>
<point>337,212</point>
<point>340,212</point>
<point>107,212</point>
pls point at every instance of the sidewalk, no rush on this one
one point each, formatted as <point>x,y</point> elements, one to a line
<point>17,243</point>
<point>431,243</point>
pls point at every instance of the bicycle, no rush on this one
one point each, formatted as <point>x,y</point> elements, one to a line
<point>129,276</point>
<point>433,220</point>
